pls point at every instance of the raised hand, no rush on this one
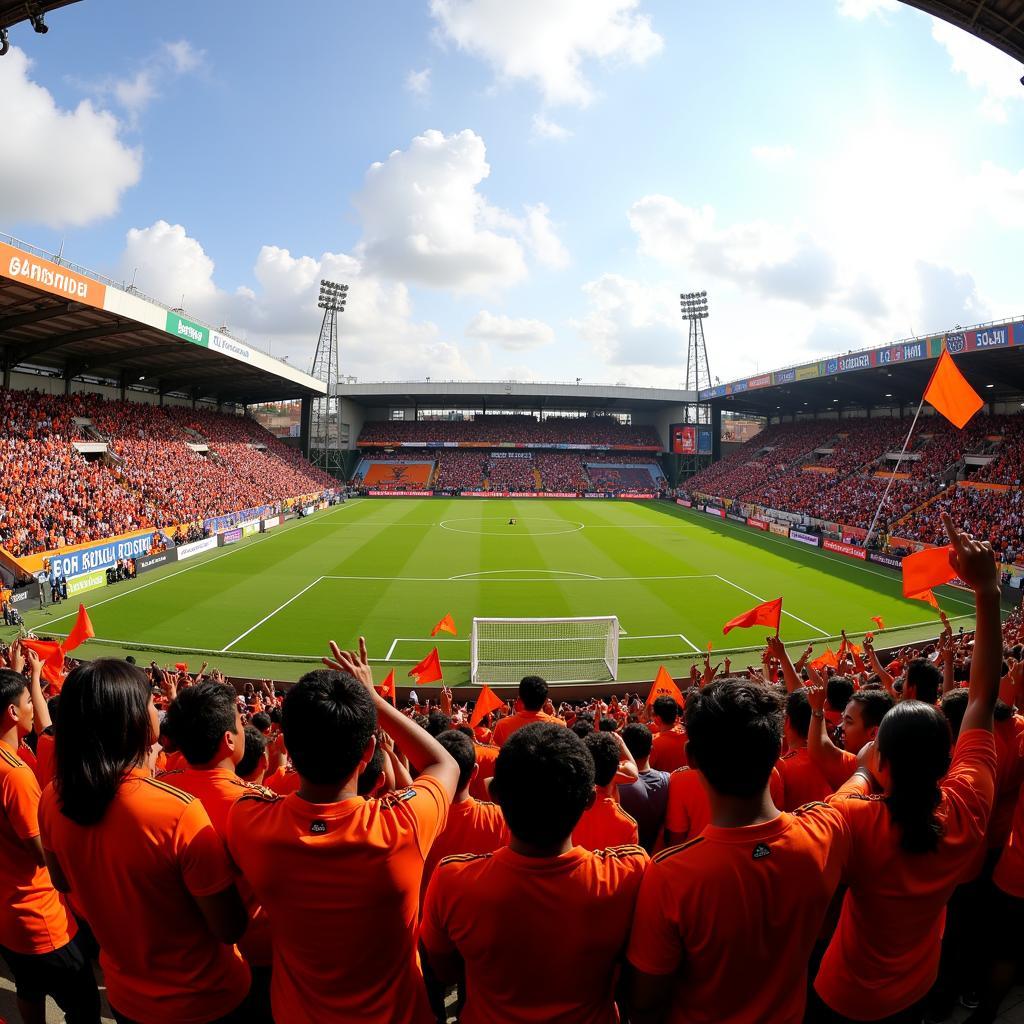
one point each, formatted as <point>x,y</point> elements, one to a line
<point>355,663</point>
<point>816,697</point>
<point>973,560</point>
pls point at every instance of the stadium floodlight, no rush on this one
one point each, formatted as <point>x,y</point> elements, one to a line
<point>333,296</point>
<point>693,305</point>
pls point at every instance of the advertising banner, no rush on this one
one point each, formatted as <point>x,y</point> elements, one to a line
<point>734,517</point>
<point>804,538</point>
<point>784,376</point>
<point>705,440</point>
<point>639,496</point>
<point>778,529</point>
<point>888,560</point>
<point>248,529</point>
<point>807,372</point>
<point>512,455</point>
<point>758,524</point>
<point>28,592</point>
<point>990,337</point>
<point>75,563</point>
<point>720,512</point>
<point>231,536</point>
<point>49,277</point>
<point>684,439</point>
<point>761,381</point>
<point>849,550</point>
<point>396,494</point>
<point>269,524</point>
<point>196,548</point>
<point>307,510</point>
<point>596,494</point>
<point>685,502</point>
<point>147,562</point>
<point>87,581</point>
<point>230,347</point>
<point>187,329</point>
<point>856,532</point>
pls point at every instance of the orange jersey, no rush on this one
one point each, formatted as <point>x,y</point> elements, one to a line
<point>507,726</point>
<point>340,883</point>
<point>803,782</point>
<point>1009,871</point>
<point>841,770</point>
<point>668,751</point>
<point>890,928</point>
<point>33,918</point>
<point>491,908</point>
<point>472,827</point>
<point>689,810</point>
<point>733,916</point>
<point>283,780</point>
<point>1009,736</point>
<point>45,759</point>
<point>135,875</point>
<point>486,758</point>
<point>605,824</point>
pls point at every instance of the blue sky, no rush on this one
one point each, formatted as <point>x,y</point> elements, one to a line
<point>522,190</point>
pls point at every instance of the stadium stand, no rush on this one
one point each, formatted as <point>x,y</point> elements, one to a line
<point>395,475</point>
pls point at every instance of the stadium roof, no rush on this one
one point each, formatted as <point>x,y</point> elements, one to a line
<point>13,11</point>
<point>59,317</point>
<point>999,22</point>
<point>505,395</point>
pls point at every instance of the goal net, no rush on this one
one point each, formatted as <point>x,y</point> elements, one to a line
<point>579,650</point>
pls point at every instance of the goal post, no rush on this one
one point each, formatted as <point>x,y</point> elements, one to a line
<point>575,650</point>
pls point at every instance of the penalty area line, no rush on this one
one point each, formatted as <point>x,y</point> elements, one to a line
<point>810,625</point>
<point>266,618</point>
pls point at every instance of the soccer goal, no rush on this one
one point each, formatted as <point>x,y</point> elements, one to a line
<point>561,650</point>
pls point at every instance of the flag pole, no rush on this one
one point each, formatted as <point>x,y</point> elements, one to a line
<point>892,476</point>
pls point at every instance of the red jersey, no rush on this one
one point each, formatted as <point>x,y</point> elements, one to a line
<point>668,751</point>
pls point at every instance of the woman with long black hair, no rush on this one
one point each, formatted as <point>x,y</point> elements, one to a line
<point>917,816</point>
<point>140,858</point>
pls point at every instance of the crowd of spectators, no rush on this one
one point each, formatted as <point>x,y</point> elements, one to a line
<point>460,469</point>
<point>51,495</point>
<point>511,474</point>
<point>623,480</point>
<point>561,472</point>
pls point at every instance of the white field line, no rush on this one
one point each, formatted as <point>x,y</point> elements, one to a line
<point>568,579</point>
<point>266,618</point>
<point>686,639</point>
<point>811,625</point>
<point>391,649</point>
<point>163,579</point>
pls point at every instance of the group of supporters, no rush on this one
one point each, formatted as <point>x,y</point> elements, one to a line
<point>797,842</point>
<point>164,465</point>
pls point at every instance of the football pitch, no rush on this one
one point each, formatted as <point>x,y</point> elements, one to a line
<point>391,568</point>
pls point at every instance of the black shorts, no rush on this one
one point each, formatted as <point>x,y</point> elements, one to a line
<point>37,975</point>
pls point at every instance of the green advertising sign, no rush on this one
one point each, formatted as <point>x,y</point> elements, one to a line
<point>182,328</point>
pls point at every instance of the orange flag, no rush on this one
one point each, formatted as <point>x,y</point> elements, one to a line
<point>767,614</point>
<point>52,657</point>
<point>446,625</point>
<point>428,670</point>
<point>181,666</point>
<point>878,621</point>
<point>827,660</point>
<point>949,392</point>
<point>80,632</point>
<point>927,596</point>
<point>665,686</point>
<point>387,688</point>
<point>926,569</point>
<point>487,702</point>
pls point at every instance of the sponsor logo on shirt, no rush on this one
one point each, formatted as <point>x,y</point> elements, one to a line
<point>761,851</point>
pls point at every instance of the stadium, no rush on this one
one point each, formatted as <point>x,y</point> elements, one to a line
<point>326,694</point>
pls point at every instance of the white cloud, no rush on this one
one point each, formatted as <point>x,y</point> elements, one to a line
<point>514,335</point>
<point>165,259</point>
<point>61,168</point>
<point>773,155</point>
<point>425,221</point>
<point>861,9</point>
<point>547,42</point>
<point>184,57</point>
<point>986,69</point>
<point>543,128</point>
<point>134,94</point>
<point>418,83</point>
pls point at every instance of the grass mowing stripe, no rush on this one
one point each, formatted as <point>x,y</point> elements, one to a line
<point>266,618</point>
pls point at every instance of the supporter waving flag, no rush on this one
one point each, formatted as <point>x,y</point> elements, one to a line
<point>487,702</point>
<point>80,632</point>
<point>924,570</point>
<point>387,688</point>
<point>428,670</point>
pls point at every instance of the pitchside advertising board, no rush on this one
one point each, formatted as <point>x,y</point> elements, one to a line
<point>148,562</point>
<point>196,548</point>
<point>805,538</point>
<point>75,563</point>
<point>690,439</point>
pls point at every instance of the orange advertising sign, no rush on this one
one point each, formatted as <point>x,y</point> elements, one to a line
<point>49,277</point>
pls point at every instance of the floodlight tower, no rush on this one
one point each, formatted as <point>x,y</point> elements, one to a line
<point>325,428</point>
<point>694,307</point>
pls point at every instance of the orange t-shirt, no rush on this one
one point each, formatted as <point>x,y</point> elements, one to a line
<point>134,875</point>
<point>734,914</point>
<point>803,782</point>
<point>340,883</point>
<point>890,927</point>
<point>1009,735</point>
<point>218,789</point>
<point>46,761</point>
<point>507,726</point>
<point>1009,871</point>
<point>34,918</point>
<point>486,758</point>
<point>840,771</point>
<point>668,751</point>
<point>472,827</point>
<point>605,824</point>
<point>491,908</point>
<point>689,810</point>
<point>283,780</point>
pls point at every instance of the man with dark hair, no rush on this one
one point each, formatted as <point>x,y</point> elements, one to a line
<point>39,937</point>
<point>483,913</point>
<point>533,694</point>
<point>261,721</point>
<point>669,750</point>
<point>838,691</point>
<point>254,763</point>
<point>803,781</point>
<point>646,799</point>
<point>698,953</point>
<point>605,823</point>
<point>923,681</point>
<point>338,875</point>
<point>861,719</point>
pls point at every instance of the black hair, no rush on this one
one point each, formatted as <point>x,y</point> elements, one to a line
<point>838,692</point>
<point>544,781</point>
<point>275,714</point>
<point>666,710</point>
<point>926,680</point>
<point>798,712</point>
<point>261,721</point>
<point>198,718</point>
<point>12,685</point>
<point>914,742</point>
<point>255,745</point>
<point>953,706</point>
<point>605,752</point>
<point>874,705</point>
<point>370,775</point>
<point>607,725</point>
<point>582,728</point>
<point>638,740</point>
<point>533,691</point>
<point>103,730</point>
<point>328,719</point>
<point>734,728</point>
<point>466,731</point>
<point>461,748</point>
<point>438,722</point>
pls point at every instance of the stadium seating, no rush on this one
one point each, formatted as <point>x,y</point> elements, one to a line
<point>395,475</point>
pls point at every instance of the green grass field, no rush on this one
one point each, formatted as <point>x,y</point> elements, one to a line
<point>389,569</point>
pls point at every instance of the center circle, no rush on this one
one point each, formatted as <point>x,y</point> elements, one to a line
<point>501,527</point>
